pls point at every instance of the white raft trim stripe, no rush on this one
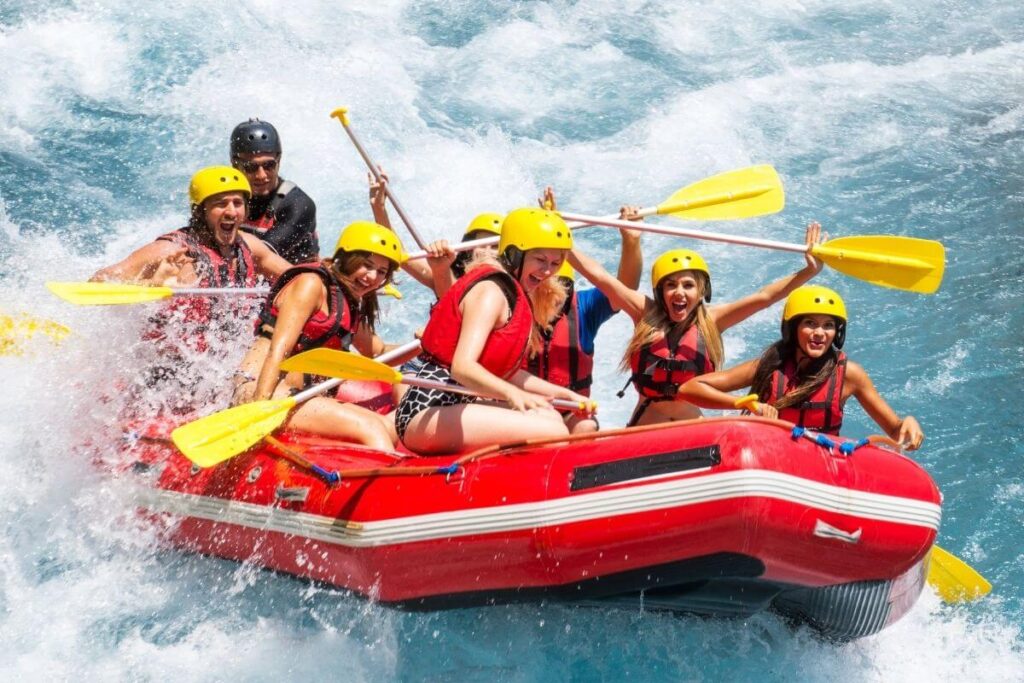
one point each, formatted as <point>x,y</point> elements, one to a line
<point>576,508</point>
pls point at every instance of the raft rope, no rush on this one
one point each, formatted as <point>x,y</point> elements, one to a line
<point>295,455</point>
<point>846,448</point>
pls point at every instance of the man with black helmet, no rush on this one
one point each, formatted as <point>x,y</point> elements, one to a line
<point>280,213</point>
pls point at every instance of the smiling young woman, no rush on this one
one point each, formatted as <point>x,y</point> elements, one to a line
<point>332,304</point>
<point>805,378</point>
<point>478,335</point>
<point>677,334</point>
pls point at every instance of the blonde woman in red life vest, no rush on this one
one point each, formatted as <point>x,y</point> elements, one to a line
<point>332,304</point>
<point>478,335</point>
<point>677,334</point>
<point>805,378</point>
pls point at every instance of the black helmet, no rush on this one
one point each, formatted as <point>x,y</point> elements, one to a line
<point>254,137</point>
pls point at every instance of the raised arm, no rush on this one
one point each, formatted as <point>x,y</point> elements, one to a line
<point>631,262</point>
<point>419,270</point>
<point>729,314</point>
<point>620,296</point>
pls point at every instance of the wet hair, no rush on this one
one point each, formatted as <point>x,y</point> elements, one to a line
<point>810,377</point>
<point>366,310</point>
<point>656,324</point>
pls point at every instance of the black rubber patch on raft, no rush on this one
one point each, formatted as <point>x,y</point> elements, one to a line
<point>591,476</point>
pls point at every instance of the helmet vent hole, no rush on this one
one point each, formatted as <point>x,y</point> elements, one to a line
<point>223,179</point>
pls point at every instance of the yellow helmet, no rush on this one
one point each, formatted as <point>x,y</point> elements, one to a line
<point>485,222</point>
<point>811,299</point>
<point>566,271</point>
<point>374,238</point>
<point>214,180</point>
<point>530,228</point>
<point>676,260</point>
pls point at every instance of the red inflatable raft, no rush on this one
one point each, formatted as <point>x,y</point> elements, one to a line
<point>715,516</point>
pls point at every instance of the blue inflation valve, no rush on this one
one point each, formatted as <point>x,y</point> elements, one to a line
<point>329,477</point>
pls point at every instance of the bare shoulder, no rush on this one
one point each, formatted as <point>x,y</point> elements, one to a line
<point>856,374</point>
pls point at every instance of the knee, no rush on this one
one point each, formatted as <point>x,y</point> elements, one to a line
<point>584,427</point>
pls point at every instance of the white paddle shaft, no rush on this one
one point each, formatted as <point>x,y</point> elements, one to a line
<point>491,241</point>
<point>385,357</point>
<point>686,232</point>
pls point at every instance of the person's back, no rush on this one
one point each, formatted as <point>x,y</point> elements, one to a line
<point>280,213</point>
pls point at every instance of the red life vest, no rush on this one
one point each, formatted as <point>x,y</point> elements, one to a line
<point>503,353</point>
<point>659,371</point>
<point>823,411</point>
<point>239,270</point>
<point>562,361</point>
<point>332,330</point>
<point>198,313</point>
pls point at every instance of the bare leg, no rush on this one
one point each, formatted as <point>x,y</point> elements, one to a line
<point>578,424</point>
<point>327,417</point>
<point>464,427</point>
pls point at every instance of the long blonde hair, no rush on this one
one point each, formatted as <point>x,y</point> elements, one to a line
<point>656,325</point>
<point>546,300</point>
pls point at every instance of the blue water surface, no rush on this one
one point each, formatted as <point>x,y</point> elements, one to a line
<point>882,118</point>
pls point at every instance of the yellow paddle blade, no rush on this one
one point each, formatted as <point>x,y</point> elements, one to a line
<point>15,332</point>
<point>215,438</point>
<point>107,293</point>
<point>908,263</point>
<point>953,579</point>
<point>743,193</point>
<point>341,364</point>
<point>391,290</point>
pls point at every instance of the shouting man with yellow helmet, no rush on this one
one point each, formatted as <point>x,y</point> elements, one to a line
<point>208,252</point>
<point>805,378</point>
<point>677,334</point>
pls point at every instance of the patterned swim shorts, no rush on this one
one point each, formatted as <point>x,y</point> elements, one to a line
<point>418,399</point>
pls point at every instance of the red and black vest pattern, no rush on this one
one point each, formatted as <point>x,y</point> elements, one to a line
<point>332,330</point>
<point>506,347</point>
<point>659,370</point>
<point>194,316</point>
<point>823,411</point>
<point>213,269</point>
<point>562,361</point>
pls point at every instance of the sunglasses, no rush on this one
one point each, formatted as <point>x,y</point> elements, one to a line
<point>253,166</point>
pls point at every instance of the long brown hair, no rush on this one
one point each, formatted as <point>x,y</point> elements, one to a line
<point>365,311</point>
<point>656,324</point>
<point>810,377</point>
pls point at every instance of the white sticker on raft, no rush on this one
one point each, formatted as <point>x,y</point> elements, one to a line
<point>826,530</point>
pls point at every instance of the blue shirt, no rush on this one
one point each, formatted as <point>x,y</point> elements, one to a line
<point>593,310</point>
